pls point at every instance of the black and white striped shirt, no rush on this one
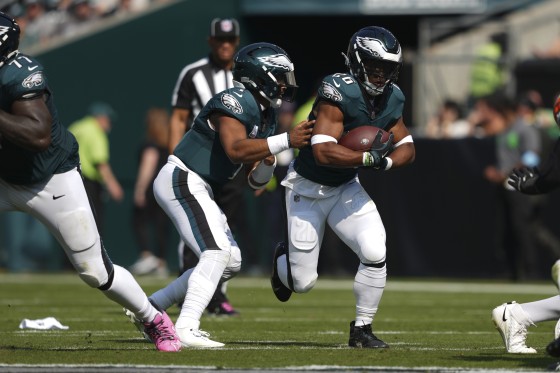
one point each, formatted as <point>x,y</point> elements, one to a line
<point>197,83</point>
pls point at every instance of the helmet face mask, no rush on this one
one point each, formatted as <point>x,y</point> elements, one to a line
<point>9,37</point>
<point>374,57</point>
<point>267,70</point>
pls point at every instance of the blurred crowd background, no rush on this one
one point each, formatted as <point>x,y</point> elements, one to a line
<point>479,76</point>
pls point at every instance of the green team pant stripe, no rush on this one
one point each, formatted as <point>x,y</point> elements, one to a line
<point>195,213</point>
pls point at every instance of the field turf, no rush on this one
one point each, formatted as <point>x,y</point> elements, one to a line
<point>430,325</point>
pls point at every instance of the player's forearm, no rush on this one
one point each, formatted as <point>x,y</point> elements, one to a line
<point>403,155</point>
<point>248,151</point>
<point>330,154</point>
<point>28,133</point>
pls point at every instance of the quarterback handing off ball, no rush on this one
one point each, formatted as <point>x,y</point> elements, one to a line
<point>361,138</point>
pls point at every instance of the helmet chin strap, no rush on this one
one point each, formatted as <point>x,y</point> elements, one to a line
<point>372,89</point>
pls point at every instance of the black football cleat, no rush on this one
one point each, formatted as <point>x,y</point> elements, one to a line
<point>553,348</point>
<point>279,289</point>
<point>363,337</point>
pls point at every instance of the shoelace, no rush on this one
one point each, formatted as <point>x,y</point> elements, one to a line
<point>160,331</point>
<point>201,333</point>
<point>519,331</point>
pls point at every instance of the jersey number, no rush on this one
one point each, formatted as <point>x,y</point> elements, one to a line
<point>345,78</point>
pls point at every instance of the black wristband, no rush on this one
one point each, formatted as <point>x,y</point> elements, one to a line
<point>289,142</point>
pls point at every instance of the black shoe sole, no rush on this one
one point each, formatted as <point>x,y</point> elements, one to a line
<point>281,292</point>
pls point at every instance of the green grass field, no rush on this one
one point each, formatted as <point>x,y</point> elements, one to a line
<point>428,324</point>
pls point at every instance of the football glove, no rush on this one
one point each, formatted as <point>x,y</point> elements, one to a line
<point>525,180</point>
<point>375,156</point>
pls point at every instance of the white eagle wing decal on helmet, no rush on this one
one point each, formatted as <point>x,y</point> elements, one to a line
<point>277,60</point>
<point>377,48</point>
<point>231,103</point>
<point>4,30</point>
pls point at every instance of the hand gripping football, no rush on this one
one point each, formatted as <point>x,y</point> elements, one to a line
<point>361,138</point>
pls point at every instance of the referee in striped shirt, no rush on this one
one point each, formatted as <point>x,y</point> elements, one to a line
<point>196,85</point>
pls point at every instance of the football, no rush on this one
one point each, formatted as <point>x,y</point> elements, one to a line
<point>360,138</point>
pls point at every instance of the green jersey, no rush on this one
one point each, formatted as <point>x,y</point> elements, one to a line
<point>201,149</point>
<point>21,78</point>
<point>359,109</point>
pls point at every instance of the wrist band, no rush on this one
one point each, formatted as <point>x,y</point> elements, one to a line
<point>389,163</point>
<point>367,159</point>
<point>278,143</point>
<point>289,142</point>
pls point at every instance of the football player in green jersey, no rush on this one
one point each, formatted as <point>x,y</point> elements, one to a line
<point>39,175</point>
<point>322,185</point>
<point>234,128</point>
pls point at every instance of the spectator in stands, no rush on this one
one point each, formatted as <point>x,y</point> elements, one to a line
<point>147,213</point>
<point>448,123</point>
<point>552,51</point>
<point>41,25</point>
<point>82,16</point>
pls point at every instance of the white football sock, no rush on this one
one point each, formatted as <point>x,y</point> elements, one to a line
<point>369,284</point>
<point>174,293</point>
<point>543,310</point>
<point>126,292</point>
<point>202,285</point>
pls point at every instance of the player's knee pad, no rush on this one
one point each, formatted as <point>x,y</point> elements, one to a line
<point>78,229</point>
<point>234,265</point>
<point>95,275</point>
<point>221,256</point>
<point>303,281</point>
<point>94,266</point>
<point>372,251</point>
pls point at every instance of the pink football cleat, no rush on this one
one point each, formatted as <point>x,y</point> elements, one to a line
<point>162,333</point>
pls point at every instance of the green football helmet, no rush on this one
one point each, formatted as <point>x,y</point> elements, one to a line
<point>374,52</point>
<point>265,69</point>
<point>9,37</point>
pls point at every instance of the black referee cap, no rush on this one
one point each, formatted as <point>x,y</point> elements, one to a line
<point>224,27</point>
